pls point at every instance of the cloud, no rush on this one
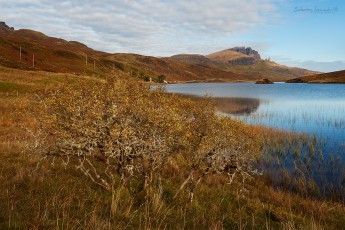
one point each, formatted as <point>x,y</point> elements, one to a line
<point>142,26</point>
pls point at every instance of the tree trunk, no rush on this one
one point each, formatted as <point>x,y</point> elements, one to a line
<point>190,176</point>
<point>115,198</point>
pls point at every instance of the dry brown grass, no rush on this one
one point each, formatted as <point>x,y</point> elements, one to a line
<point>46,196</point>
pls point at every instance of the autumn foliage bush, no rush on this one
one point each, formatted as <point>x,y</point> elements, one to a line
<point>124,135</point>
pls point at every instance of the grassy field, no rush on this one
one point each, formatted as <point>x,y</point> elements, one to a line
<point>36,194</point>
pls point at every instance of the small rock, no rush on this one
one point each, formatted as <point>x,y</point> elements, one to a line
<point>264,81</point>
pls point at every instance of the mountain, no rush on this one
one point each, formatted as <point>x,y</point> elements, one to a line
<point>41,52</point>
<point>32,50</point>
<point>245,60</point>
<point>332,77</point>
<point>4,27</point>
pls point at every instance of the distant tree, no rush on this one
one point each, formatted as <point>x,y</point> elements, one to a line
<point>161,79</point>
<point>146,78</point>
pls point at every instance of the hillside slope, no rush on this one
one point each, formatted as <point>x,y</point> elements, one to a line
<point>226,56</point>
<point>332,77</point>
<point>271,70</point>
<point>32,50</point>
<point>244,60</point>
<point>145,66</point>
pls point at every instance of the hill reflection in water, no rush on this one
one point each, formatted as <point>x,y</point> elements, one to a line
<point>232,106</point>
<point>237,106</point>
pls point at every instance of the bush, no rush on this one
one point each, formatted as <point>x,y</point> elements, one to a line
<point>122,135</point>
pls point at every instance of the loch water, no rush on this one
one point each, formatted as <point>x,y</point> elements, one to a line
<point>317,110</point>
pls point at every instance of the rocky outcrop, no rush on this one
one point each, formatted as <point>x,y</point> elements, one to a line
<point>243,61</point>
<point>247,51</point>
<point>5,27</point>
<point>264,81</point>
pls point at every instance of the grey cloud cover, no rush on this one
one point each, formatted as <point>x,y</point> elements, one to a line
<point>153,27</point>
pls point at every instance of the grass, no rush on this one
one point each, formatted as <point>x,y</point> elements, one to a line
<point>46,195</point>
<point>6,87</point>
<point>300,163</point>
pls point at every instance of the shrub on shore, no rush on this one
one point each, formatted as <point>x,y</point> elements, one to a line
<point>123,135</point>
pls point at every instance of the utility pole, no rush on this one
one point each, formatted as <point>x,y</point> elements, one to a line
<point>86,60</point>
<point>33,60</point>
<point>94,64</point>
<point>20,53</point>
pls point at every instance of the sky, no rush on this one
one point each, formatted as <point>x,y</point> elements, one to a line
<point>306,33</point>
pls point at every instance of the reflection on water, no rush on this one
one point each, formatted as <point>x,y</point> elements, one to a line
<point>237,106</point>
<point>315,109</point>
<point>232,106</point>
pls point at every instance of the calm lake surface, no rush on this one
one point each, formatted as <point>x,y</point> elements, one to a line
<point>317,110</point>
<point>310,108</point>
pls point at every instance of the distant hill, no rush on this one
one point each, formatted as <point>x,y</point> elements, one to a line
<point>32,50</point>
<point>271,70</point>
<point>41,52</point>
<point>145,66</point>
<point>332,77</point>
<point>245,60</point>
